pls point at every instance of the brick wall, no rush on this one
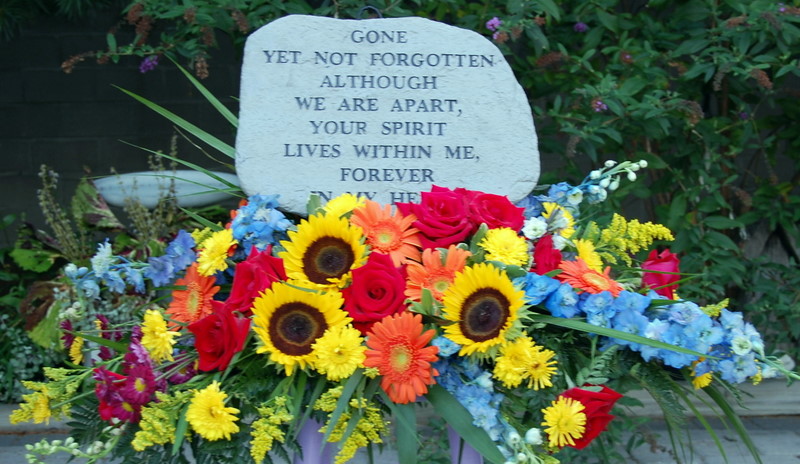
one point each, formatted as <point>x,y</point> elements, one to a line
<point>77,120</point>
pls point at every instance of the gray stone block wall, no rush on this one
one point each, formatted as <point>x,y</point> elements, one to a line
<point>80,120</point>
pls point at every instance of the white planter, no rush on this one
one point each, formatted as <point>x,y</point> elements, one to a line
<point>192,188</point>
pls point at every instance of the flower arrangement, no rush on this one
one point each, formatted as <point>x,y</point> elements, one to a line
<point>516,324</point>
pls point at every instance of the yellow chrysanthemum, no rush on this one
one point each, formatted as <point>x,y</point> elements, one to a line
<point>484,304</point>
<point>559,218</point>
<point>323,251</point>
<point>506,246</point>
<point>288,321</point>
<point>565,422</point>
<point>212,257</point>
<point>208,415</point>
<point>523,359</point>
<point>156,338</point>
<point>586,251</point>
<point>343,204</point>
<point>703,380</point>
<point>339,352</point>
<point>76,351</point>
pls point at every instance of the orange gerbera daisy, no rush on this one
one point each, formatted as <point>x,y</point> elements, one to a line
<point>387,233</point>
<point>433,274</point>
<point>397,348</point>
<point>578,274</point>
<point>193,303</point>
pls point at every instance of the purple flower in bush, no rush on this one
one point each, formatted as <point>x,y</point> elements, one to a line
<point>598,106</point>
<point>580,27</point>
<point>494,23</point>
<point>148,64</point>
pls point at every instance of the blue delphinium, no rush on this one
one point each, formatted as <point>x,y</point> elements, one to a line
<point>563,302</point>
<point>537,287</point>
<point>258,223</point>
<point>161,270</point>
<point>598,307</point>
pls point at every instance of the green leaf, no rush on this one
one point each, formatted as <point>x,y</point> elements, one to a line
<point>344,400</point>
<point>223,110</point>
<point>89,207</point>
<point>721,222</point>
<point>690,46</point>
<point>111,40</point>
<point>406,431</point>
<point>460,420</point>
<point>180,430</point>
<point>551,8</point>
<point>589,328</point>
<point>608,20</point>
<point>118,346</point>
<point>34,260</point>
<point>203,221</point>
<point>184,124</point>
<point>734,419</point>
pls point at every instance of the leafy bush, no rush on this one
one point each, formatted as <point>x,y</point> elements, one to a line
<point>702,90</point>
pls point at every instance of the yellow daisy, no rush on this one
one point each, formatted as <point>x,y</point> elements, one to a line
<point>565,421</point>
<point>208,415</point>
<point>323,251</point>
<point>156,338</point>
<point>559,218</point>
<point>288,321</point>
<point>523,359</point>
<point>483,303</point>
<point>339,352</point>
<point>343,204</point>
<point>506,246</point>
<point>586,251</point>
<point>212,257</point>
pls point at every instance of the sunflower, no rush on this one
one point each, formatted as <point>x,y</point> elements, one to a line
<point>397,348</point>
<point>193,303</point>
<point>434,275</point>
<point>483,303</point>
<point>523,359</point>
<point>578,274</point>
<point>289,321</point>
<point>339,352</point>
<point>388,233</point>
<point>323,251</point>
<point>208,415</point>
<point>214,251</point>
<point>565,421</point>
<point>506,246</point>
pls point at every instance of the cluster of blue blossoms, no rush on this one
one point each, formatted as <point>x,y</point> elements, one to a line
<point>593,189</point>
<point>731,344</point>
<point>258,223</point>
<point>117,272</point>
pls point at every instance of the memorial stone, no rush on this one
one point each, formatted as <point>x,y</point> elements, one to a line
<point>382,108</point>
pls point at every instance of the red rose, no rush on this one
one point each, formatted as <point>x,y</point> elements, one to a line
<point>493,210</point>
<point>218,337</point>
<point>253,276</point>
<point>597,405</point>
<point>663,284</point>
<point>546,257</point>
<point>377,291</point>
<point>442,217</point>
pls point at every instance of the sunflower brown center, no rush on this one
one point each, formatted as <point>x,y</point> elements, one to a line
<point>484,314</point>
<point>295,327</point>
<point>327,257</point>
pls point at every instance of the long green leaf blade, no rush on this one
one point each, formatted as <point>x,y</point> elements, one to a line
<point>184,124</point>
<point>735,420</point>
<point>223,110</point>
<point>460,419</point>
<point>589,328</point>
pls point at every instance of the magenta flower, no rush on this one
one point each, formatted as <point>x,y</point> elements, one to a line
<point>580,27</point>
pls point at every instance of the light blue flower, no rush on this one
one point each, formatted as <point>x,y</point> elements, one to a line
<point>180,250</point>
<point>537,287</point>
<point>446,346</point>
<point>259,223</point>
<point>563,302</point>
<point>103,259</point>
<point>630,301</point>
